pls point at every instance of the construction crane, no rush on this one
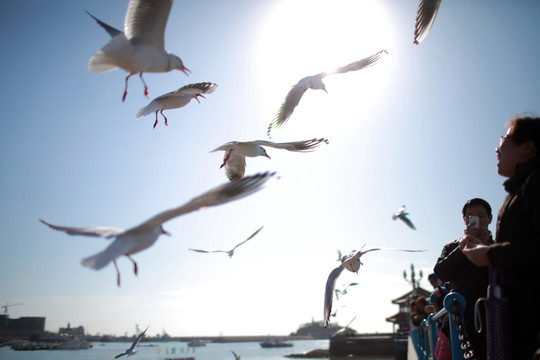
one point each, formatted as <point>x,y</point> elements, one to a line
<point>8,305</point>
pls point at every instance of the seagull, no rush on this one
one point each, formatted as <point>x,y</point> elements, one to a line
<point>344,291</point>
<point>131,351</point>
<point>401,214</point>
<point>425,17</point>
<point>236,357</point>
<point>315,82</point>
<point>141,237</point>
<point>352,263</point>
<point>229,252</point>
<point>234,160</point>
<point>141,47</point>
<point>176,99</point>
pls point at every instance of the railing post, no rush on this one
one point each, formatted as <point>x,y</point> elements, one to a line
<point>433,332</point>
<point>451,300</point>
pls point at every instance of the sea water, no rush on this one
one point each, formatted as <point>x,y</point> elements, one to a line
<point>163,350</point>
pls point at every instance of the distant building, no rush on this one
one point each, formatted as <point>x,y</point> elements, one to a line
<point>71,332</point>
<point>316,330</point>
<point>403,317</point>
<point>21,327</point>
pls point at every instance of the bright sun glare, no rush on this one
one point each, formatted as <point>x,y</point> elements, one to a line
<point>305,37</point>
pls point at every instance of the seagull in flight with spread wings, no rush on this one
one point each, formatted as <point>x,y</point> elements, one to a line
<point>402,215</point>
<point>315,82</point>
<point>140,47</point>
<point>229,252</point>
<point>176,99</point>
<point>352,263</point>
<point>131,351</point>
<point>234,160</point>
<point>425,17</point>
<point>138,238</point>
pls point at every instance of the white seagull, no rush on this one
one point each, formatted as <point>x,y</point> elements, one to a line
<point>352,263</point>
<point>131,351</point>
<point>141,237</point>
<point>141,47</point>
<point>402,215</point>
<point>425,17</point>
<point>176,99</point>
<point>229,252</point>
<point>234,160</point>
<point>315,82</point>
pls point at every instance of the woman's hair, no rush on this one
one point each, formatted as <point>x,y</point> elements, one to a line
<point>523,128</point>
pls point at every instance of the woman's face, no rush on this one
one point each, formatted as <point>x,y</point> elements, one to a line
<point>510,154</point>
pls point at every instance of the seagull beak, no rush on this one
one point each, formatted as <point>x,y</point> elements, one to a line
<point>268,156</point>
<point>164,232</point>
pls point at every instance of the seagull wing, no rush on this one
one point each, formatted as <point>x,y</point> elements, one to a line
<point>305,145</point>
<point>407,221</point>
<point>146,20</point>
<point>357,65</point>
<point>236,357</point>
<point>235,168</point>
<point>425,17</point>
<point>249,238</point>
<point>400,211</point>
<point>209,251</point>
<point>329,292</point>
<point>104,232</point>
<point>109,29</point>
<point>120,355</point>
<point>138,340</point>
<point>287,107</point>
<point>219,195</point>
<point>198,88</point>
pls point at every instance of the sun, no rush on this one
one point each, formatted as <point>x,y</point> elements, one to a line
<point>305,37</point>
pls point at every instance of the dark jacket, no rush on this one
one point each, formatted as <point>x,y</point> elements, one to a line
<point>469,280</point>
<point>516,254</point>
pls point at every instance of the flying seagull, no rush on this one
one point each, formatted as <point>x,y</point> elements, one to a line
<point>141,47</point>
<point>425,17</point>
<point>236,357</point>
<point>402,215</point>
<point>352,263</point>
<point>229,252</point>
<point>131,351</point>
<point>344,291</point>
<point>176,99</point>
<point>315,82</point>
<point>138,238</point>
<point>234,160</point>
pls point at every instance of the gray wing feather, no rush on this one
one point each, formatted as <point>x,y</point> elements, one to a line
<point>329,293</point>
<point>357,65</point>
<point>146,20</point>
<point>425,17</point>
<point>287,107</point>
<point>104,232</point>
<point>305,145</point>
<point>108,28</point>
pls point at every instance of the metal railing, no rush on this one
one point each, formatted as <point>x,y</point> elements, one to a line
<point>424,337</point>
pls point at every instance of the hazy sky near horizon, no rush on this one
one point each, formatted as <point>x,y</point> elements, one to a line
<point>419,128</point>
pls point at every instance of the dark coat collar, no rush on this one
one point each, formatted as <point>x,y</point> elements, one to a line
<point>522,171</point>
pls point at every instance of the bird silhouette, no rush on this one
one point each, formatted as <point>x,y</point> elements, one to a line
<point>141,237</point>
<point>236,357</point>
<point>229,252</point>
<point>131,351</point>
<point>176,99</point>
<point>402,215</point>
<point>234,159</point>
<point>141,47</point>
<point>315,82</point>
<point>425,17</point>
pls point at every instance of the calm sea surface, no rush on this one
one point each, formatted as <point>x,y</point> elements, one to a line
<point>221,351</point>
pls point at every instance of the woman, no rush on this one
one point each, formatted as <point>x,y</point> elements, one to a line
<point>516,252</point>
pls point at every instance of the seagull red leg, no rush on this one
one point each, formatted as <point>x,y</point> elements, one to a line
<point>166,123</point>
<point>197,97</point>
<point>117,272</point>
<point>135,268</point>
<point>125,90</point>
<point>226,159</point>
<point>145,87</point>
<point>156,120</point>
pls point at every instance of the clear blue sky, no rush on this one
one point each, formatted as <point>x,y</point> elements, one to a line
<point>419,129</point>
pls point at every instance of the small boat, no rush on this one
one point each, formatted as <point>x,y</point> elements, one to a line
<point>74,344</point>
<point>274,343</point>
<point>197,342</point>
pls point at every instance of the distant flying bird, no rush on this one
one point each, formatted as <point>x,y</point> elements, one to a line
<point>236,357</point>
<point>229,252</point>
<point>425,17</point>
<point>234,160</point>
<point>315,82</point>
<point>176,99</point>
<point>141,237</point>
<point>131,351</point>
<point>344,290</point>
<point>352,263</point>
<point>141,47</point>
<point>402,215</point>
